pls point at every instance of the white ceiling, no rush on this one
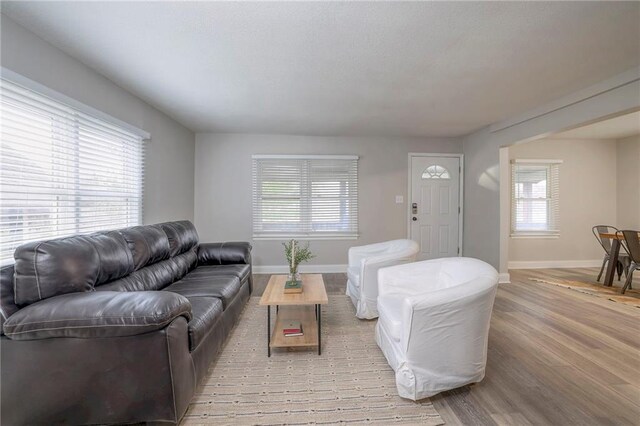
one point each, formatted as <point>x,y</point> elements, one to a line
<point>613,128</point>
<point>343,68</point>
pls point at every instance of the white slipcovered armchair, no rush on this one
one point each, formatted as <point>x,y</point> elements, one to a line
<point>364,262</point>
<point>434,323</point>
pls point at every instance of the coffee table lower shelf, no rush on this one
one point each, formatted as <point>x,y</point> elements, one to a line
<point>310,318</point>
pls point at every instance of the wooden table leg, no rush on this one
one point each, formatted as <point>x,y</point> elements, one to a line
<point>612,267</point>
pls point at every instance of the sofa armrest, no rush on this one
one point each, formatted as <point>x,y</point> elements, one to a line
<point>97,315</point>
<point>358,253</point>
<point>224,253</point>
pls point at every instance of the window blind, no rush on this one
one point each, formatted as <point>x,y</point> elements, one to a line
<point>306,197</point>
<point>535,203</point>
<point>62,171</point>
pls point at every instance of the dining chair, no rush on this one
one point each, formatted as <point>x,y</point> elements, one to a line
<point>623,259</point>
<point>631,244</point>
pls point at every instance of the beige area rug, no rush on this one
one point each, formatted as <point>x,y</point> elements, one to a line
<point>630,297</point>
<point>350,382</point>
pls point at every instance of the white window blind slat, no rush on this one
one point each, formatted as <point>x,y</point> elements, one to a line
<point>305,197</point>
<point>62,171</point>
<point>33,133</point>
<point>535,198</point>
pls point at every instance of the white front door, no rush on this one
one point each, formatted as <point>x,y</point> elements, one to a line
<point>434,206</point>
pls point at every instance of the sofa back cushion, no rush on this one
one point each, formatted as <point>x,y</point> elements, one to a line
<point>185,262</point>
<point>116,260</point>
<point>156,276</point>
<point>148,244</point>
<point>133,259</point>
<point>182,236</point>
<point>7,303</point>
<point>47,268</point>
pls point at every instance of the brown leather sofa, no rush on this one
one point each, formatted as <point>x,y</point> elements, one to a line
<point>115,327</point>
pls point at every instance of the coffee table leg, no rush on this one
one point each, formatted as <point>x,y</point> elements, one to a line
<point>319,316</point>
<point>268,331</point>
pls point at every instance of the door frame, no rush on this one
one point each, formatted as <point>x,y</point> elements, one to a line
<point>460,195</point>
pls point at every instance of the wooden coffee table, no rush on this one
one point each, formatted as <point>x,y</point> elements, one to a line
<point>304,307</point>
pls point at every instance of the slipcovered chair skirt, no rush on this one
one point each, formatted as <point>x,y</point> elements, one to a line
<point>434,323</point>
<point>364,262</point>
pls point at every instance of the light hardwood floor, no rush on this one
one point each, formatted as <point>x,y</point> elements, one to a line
<point>556,357</point>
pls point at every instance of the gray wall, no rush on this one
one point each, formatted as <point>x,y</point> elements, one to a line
<point>628,184</point>
<point>168,186</point>
<point>587,198</point>
<point>481,237</point>
<point>223,187</point>
<point>482,213</point>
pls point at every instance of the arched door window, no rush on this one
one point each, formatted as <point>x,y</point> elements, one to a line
<point>435,172</point>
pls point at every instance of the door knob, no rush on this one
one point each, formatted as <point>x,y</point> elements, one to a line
<point>414,218</point>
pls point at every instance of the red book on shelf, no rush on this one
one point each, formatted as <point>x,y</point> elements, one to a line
<point>292,327</point>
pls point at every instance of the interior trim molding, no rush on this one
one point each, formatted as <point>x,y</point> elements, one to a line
<point>545,264</point>
<point>305,269</point>
<point>504,278</point>
<point>610,84</point>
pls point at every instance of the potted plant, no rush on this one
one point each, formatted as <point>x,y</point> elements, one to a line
<point>296,254</point>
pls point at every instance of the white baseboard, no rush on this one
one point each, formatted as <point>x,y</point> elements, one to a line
<point>547,264</point>
<point>305,269</point>
<point>505,278</point>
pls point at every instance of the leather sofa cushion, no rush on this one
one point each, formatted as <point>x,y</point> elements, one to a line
<point>7,304</point>
<point>205,313</point>
<point>182,236</point>
<point>45,269</point>
<point>224,253</point>
<point>97,315</point>
<point>241,271</point>
<point>184,263</point>
<point>224,287</point>
<point>148,244</point>
<point>115,257</point>
<point>154,277</point>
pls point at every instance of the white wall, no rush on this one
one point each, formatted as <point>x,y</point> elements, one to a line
<point>482,197</point>
<point>483,212</point>
<point>223,187</point>
<point>628,183</point>
<point>168,186</point>
<point>587,198</point>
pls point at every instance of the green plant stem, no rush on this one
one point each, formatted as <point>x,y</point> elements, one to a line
<point>302,254</point>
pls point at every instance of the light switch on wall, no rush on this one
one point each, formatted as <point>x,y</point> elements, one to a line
<point>399,199</point>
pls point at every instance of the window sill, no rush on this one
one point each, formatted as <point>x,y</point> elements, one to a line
<point>536,236</point>
<point>305,237</point>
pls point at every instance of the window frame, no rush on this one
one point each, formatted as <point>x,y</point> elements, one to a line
<point>348,198</point>
<point>434,172</point>
<point>552,200</point>
<point>81,185</point>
